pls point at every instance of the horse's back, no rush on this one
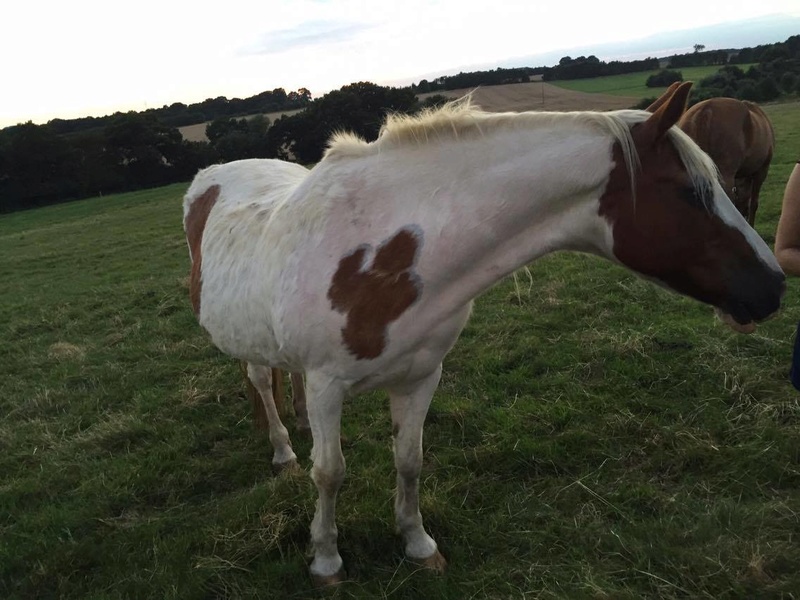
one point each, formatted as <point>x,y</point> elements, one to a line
<point>717,125</point>
<point>736,134</point>
<point>251,180</point>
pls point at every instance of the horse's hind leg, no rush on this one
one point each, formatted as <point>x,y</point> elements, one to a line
<point>409,405</point>
<point>283,457</point>
<point>299,402</point>
<point>758,181</point>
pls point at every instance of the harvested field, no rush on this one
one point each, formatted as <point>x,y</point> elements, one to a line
<point>538,95</point>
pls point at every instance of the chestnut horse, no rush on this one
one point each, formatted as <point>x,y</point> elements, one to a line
<point>739,138</point>
<point>361,272</point>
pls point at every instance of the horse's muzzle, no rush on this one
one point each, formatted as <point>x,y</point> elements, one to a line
<point>755,296</point>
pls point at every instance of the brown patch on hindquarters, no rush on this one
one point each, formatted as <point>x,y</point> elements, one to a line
<point>374,297</point>
<point>195,224</point>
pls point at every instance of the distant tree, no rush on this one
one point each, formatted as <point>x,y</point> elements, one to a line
<point>748,91</point>
<point>38,167</point>
<point>768,89</point>
<point>304,95</point>
<point>789,82</point>
<point>222,126</point>
<point>235,139</point>
<point>143,150</point>
<point>424,87</point>
<point>664,78</point>
<point>358,107</point>
<point>435,101</point>
<point>699,48</point>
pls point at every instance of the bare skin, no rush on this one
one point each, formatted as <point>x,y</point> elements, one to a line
<point>787,238</point>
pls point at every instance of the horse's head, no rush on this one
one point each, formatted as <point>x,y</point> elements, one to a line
<point>681,229</point>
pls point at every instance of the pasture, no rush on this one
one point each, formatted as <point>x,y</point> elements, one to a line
<point>593,435</point>
<point>634,84</point>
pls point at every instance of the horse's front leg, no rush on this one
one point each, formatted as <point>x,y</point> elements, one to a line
<point>409,405</point>
<point>283,457</point>
<point>324,415</point>
<point>299,402</point>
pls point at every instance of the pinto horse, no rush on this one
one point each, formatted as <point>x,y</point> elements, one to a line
<point>739,138</point>
<point>362,271</point>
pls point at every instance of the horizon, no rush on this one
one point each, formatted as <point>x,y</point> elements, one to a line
<point>322,46</point>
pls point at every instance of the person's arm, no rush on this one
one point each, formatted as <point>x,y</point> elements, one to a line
<point>787,238</point>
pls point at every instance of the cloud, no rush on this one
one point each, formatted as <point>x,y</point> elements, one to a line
<point>304,35</point>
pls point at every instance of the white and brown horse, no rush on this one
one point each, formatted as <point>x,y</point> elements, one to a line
<point>362,271</point>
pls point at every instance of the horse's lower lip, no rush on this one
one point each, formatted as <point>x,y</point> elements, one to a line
<point>727,318</point>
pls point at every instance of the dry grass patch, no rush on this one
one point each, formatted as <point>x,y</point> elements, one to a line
<point>66,351</point>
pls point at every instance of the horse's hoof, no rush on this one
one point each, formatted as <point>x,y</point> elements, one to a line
<point>435,562</point>
<point>323,581</point>
<point>290,466</point>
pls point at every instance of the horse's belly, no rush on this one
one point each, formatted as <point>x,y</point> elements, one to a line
<point>404,362</point>
<point>239,334</point>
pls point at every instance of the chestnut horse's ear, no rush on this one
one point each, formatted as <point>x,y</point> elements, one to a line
<point>671,107</point>
<point>663,97</point>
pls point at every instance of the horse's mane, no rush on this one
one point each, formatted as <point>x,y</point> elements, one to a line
<point>461,118</point>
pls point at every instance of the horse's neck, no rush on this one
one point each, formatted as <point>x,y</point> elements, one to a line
<point>489,205</point>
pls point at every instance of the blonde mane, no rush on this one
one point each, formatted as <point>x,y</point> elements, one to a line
<point>461,118</point>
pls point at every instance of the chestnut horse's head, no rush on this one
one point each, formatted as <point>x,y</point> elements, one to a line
<point>679,228</point>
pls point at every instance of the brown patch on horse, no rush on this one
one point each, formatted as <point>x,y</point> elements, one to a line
<point>373,298</point>
<point>195,224</point>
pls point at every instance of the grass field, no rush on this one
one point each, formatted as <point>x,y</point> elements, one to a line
<point>593,436</point>
<point>633,84</point>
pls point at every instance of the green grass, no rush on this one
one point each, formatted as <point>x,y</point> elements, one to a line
<point>633,84</point>
<point>593,436</point>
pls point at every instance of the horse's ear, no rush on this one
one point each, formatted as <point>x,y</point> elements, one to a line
<point>663,97</point>
<point>667,114</point>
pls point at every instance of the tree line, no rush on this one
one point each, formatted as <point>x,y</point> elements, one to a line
<point>585,67</point>
<point>179,114</point>
<point>474,79</point>
<point>70,159</point>
<point>776,74</point>
<point>40,164</point>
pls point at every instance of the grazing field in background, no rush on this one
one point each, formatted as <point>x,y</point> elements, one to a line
<point>634,84</point>
<point>593,436</point>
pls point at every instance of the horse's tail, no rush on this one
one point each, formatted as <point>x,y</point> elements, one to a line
<point>260,419</point>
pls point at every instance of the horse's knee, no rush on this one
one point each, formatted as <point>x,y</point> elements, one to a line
<point>260,375</point>
<point>329,479</point>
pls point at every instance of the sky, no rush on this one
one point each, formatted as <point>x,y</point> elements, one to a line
<point>88,57</point>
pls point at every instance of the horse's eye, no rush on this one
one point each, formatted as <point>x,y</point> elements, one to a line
<point>699,197</point>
